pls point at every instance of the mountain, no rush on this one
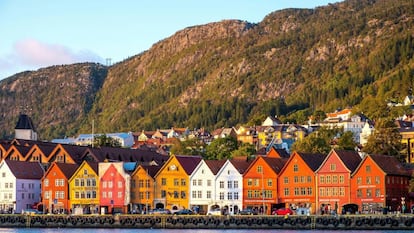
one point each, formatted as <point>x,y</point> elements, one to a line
<point>355,53</point>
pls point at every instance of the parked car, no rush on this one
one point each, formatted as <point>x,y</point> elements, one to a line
<point>160,211</point>
<point>31,211</point>
<point>283,211</point>
<point>184,212</point>
<point>214,212</point>
<point>302,211</point>
<point>248,212</point>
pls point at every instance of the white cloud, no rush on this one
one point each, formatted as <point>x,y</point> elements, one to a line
<point>31,54</point>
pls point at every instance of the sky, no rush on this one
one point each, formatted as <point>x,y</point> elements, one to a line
<point>42,33</point>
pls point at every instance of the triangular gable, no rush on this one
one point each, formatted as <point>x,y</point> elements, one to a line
<point>349,159</point>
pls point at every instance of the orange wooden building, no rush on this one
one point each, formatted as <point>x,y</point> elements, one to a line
<point>55,187</point>
<point>297,183</point>
<point>380,182</point>
<point>260,184</point>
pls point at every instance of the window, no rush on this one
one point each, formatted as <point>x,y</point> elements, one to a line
<point>322,179</point>
<point>334,179</point>
<point>359,192</point>
<point>85,171</point>
<point>286,180</point>
<point>163,181</point>
<point>229,185</point>
<point>332,167</point>
<point>119,184</point>
<point>221,195</point>
<point>286,191</point>
<point>309,191</point>
<point>236,196</point>
<point>183,182</point>
<point>328,179</point>
<point>249,194</point>
<point>377,180</point>
<point>163,193</point>
<point>175,194</point>
<point>369,193</point>
<point>260,169</point>
<point>256,182</point>
<point>368,179</point>
<point>200,182</point>
<point>368,169</point>
<point>194,182</point>
<point>221,184</point>
<point>269,182</point>
<point>377,192</point>
<point>208,183</point>
<point>229,196</point>
<point>303,191</point>
<point>193,194</point>
<point>295,168</point>
<point>76,182</point>
<point>208,194</point>
<point>82,182</point>
<point>176,182</point>
<point>119,194</point>
<point>322,192</point>
<point>110,184</point>
<point>296,191</point>
<point>235,184</point>
<point>309,179</point>
<point>341,179</point>
<point>296,179</point>
<point>183,195</point>
<point>341,191</point>
<point>199,194</point>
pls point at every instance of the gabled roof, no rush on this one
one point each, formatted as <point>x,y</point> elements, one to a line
<point>215,165</point>
<point>276,163</point>
<point>25,170</point>
<point>313,161</point>
<point>25,122</point>
<point>151,170</point>
<point>188,162</point>
<point>390,165</point>
<point>241,165</point>
<point>67,169</point>
<point>350,158</point>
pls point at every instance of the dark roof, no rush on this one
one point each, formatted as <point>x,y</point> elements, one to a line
<point>25,170</point>
<point>151,170</point>
<point>241,165</point>
<point>189,162</point>
<point>313,161</point>
<point>282,152</point>
<point>276,163</point>
<point>24,122</point>
<point>390,165</point>
<point>350,158</point>
<point>215,165</point>
<point>67,169</point>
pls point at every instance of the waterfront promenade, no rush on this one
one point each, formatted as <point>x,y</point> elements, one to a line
<point>360,222</point>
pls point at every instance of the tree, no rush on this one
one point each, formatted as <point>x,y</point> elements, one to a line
<point>346,141</point>
<point>104,140</point>
<point>221,148</point>
<point>244,149</point>
<point>385,140</point>
<point>188,147</point>
<point>321,140</point>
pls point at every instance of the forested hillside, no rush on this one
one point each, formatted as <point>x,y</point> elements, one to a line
<point>356,53</point>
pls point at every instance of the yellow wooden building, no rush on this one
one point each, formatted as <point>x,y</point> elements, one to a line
<point>84,189</point>
<point>172,182</point>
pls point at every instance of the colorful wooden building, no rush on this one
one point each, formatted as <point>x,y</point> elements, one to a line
<point>55,187</point>
<point>334,180</point>
<point>172,182</point>
<point>380,182</point>
<point>260,182</point>
<point>114,192</point>
<point>142,188</point>
<point>297,183</point>
<point>84,189</point>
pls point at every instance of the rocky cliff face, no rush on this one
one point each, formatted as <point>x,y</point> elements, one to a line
<point>57,98</point>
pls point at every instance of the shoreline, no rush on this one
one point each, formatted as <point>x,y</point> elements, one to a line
<point>317,222</point>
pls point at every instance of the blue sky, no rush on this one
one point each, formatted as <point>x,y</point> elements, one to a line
<point>41,33</point>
